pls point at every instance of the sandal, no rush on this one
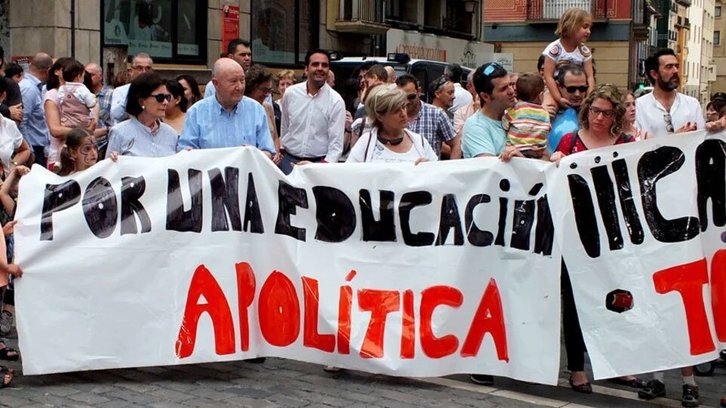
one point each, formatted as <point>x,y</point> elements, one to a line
<point>584,388</point>
<point>635,382</point>
<point>9,354</point>
<point>7,376</point>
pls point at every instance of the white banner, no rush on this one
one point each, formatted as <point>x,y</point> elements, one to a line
<point>638,225</point>
<point>208,256</point>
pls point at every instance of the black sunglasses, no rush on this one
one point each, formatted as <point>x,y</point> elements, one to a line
<point>572,89</point>
<point>161,97</point>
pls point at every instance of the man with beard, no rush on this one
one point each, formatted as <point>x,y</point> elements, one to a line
<point>665,110</point>
<point>313,117</point>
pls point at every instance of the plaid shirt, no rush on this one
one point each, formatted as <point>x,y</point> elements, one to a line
<point>104,107</point>
<point>433,124</point>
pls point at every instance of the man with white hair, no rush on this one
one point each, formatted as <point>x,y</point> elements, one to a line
<point>227,118</point>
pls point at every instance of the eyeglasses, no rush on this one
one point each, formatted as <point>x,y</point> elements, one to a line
<point>669,123</point>
<point>606,113</point>
<point>490,68</point>
<point>411,96</point>
<point>573,89</point>
<point>161,97</point>
<point>266,90</point>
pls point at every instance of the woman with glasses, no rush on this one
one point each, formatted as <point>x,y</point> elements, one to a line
<point>258,87</point>
<point>601,117</point>
<point>176,109</point>
<point>143,133</point>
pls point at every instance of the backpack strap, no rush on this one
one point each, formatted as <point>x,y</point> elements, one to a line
<point>573,143</point>
<point>368,145</point>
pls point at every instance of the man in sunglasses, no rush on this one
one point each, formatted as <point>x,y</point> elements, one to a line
<point>140,64</point>
<point>665,110</point>
<point>572,83</point>
<point>428,120</point>
<point>227,119</point>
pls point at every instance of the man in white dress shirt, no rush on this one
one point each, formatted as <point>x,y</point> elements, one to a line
<point>313,117</point>
<point>665,110</point>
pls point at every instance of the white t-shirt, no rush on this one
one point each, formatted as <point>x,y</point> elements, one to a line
<point>651,116</point>
<point>557,53</point>
<point>10,140</point>
<point>368,149</point>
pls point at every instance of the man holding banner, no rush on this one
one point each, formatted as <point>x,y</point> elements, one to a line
<point>661,112</point>
<point>665,110</point>
<point>227,119</point>
<point>483,134</point>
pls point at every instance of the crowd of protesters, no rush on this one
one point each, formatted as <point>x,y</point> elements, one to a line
<point>59,114</point>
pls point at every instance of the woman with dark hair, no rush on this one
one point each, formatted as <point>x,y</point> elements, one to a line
<point>191,88</point>
<point>143,133</point>
<point>177,107</point>
<point>73,70</point>
<point>258,87</point>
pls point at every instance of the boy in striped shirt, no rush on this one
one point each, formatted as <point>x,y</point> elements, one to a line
<point>527,123</point>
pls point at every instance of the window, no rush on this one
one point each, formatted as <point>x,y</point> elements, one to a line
<point>168,30</point>
<point>717,38</point>
<point>717,12</point>
<point>281,30</point>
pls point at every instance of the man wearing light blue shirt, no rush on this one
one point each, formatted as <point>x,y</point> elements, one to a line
<point>33,127</point>
<point>227,119</point>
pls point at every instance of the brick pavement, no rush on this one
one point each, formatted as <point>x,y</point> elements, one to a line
<point>287,383</point>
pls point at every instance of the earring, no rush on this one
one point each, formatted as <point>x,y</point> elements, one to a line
<point>143,107</point>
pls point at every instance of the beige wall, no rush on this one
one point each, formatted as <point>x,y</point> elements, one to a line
<point>612,59</point>
<point>32,31</point>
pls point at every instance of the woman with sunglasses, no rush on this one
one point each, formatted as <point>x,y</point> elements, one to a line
<point>601,118</point>
<point>388,140</point>
<point>143,133</point>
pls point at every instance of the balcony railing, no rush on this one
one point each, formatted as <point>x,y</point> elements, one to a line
<point>551,10</point>
<point>361,16</point>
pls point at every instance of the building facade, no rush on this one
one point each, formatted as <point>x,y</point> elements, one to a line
<point>525,28</point>
<point>189,35</point>
<point>719,49</point>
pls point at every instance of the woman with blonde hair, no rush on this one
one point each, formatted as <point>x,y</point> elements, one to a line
<point>388,140</point>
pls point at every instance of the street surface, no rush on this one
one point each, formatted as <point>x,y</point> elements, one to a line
<point>287,383</point>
